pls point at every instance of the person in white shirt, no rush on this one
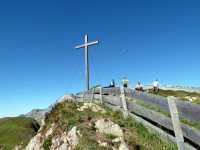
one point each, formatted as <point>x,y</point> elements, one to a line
<point>112,84</point>
<point>139,87</point>
<point>155,85</point>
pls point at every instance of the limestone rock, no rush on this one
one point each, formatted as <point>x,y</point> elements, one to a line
<point>35,143</point>
<point>107,126</point>
<point>50,131</point>
<point>66,142</point>
<point>66,97</point>
<point>93,107</point>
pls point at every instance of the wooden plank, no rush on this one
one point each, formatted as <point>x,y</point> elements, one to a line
<point>115,108</point>
<point>101,95</point>
<point>125,110</point>
<point>79,96</point>
<point>113,100</point>
<point>83,96</point>
<point>96,101</point>
<point>97,96</point>
<point>96,91</point>
<point>113,90</point>
<point>87,95</point>
<point>176,123</point>
<point>149,99</point>
<point>163,135</point>
<point>79,99</point>
<point>87,99</point>
<point>92,95</point>
<point>188,132</point>
<point>186,110</point>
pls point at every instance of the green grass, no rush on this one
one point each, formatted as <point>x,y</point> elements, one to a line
<point>96,86</point>
<point>178,94</point>
<point>15,130</point>
<point>136,136</point>
<point>111,136</point>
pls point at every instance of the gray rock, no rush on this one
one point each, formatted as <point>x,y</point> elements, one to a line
<point>107,126</point>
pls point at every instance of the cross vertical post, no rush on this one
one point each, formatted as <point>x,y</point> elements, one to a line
<point>86,63</point>
<point>86,58</point>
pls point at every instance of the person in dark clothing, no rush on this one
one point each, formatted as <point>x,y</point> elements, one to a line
<point>112,84</point>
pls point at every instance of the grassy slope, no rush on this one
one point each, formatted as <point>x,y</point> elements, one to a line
<point>136,135</point>
<point>15,130</point>
<point>178,94</point>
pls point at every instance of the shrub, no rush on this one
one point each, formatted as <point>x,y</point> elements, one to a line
<point>47,143</point>
<point>70,123</point>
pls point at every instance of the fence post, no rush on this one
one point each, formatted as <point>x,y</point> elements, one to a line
<point>101,95</point>
<point>176,123</point>
<point>92,95</point>
<point>83,96</point>
<point>125,110</point>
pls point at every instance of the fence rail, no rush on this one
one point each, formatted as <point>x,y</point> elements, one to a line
<point>114,98</point>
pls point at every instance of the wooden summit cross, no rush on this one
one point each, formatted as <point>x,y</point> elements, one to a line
<point>86,58</point>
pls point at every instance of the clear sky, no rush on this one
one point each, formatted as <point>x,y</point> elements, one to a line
<point>141,40</point>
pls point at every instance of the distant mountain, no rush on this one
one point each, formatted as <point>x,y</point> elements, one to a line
<point>38,114</point>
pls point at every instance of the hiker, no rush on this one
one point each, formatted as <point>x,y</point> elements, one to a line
<point>155,85</point>
<point>139,87</point>
<point>112,84</point>
<point>125,82</point>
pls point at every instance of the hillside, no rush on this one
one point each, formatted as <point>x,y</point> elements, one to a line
<point>16,130</point>
<point>87,126</point>
<point>70,124</point>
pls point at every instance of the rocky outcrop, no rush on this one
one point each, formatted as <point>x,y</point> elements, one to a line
<point>66,97</point>
<point>93,107</point>
<point>35,143</point>
<point>107,126</point>
<point>63,142</point>
<point>66,142</point>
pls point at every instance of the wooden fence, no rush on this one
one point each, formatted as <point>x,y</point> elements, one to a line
<point>122,99</point>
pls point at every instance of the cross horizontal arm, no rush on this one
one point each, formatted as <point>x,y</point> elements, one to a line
<point>92,43</point>
<point>88,44</point>
<point>80,46</point>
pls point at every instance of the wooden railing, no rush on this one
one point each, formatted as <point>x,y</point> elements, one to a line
<point>122,99</point>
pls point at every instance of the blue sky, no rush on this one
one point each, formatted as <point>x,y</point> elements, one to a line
<point>38,59</point>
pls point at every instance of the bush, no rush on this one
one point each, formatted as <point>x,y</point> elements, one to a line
<point>70,123</point>
<point>47,143</point>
